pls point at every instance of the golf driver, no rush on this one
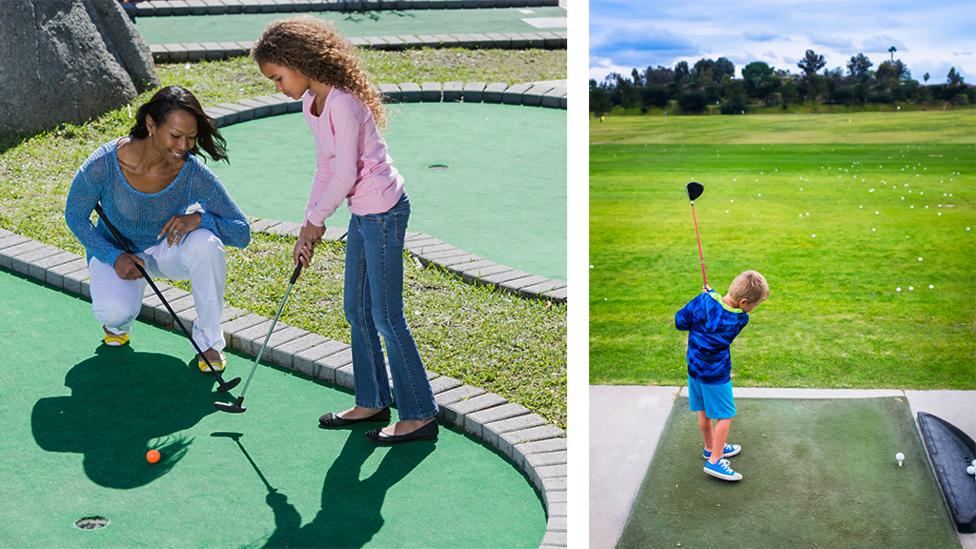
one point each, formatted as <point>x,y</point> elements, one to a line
<point>237,407</point>
<point>222,386</point>
<point>695,190</point>
<point>236,437</point>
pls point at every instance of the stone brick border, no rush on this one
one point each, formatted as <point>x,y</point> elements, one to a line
<point>425,248</point>
<point>219,7</point>
<point>536,448</point>
<point>199,51</point>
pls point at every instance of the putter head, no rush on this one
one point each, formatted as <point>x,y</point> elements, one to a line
<point>228,385</point>
<point>695,189</point>
<point>226,434</point>
<point>236,407</point>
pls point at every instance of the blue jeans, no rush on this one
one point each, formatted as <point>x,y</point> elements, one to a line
<point>373,303</point>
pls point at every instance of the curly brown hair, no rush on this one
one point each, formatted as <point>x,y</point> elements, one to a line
<point>315,48</point>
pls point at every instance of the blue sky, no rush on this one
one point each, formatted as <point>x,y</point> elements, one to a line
<point>930,36</point>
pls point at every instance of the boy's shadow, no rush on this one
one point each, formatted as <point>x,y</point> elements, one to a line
<point>351,508</point>
<point>120,401</point>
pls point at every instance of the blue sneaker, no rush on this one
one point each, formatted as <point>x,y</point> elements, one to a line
<point>722,470</point>
<point>730,450</point>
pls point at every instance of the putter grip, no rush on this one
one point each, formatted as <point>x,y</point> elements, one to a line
<point>294,275</point>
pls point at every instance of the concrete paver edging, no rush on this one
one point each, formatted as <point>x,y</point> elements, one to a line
<point>200,51</point>
<point>427,249</point>
<point>537,449</point>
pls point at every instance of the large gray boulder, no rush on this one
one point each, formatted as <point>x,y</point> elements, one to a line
<point>67,61</point>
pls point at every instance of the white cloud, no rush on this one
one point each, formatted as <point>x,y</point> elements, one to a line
<point>929,38</point>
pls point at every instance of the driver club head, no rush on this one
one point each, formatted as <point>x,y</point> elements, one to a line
<point>228,385</point>
<point>236,407</point>
<point>695,190</point>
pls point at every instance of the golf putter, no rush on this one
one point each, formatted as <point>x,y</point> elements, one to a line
<point>237,407</point>
<point>695,190</point>
<point>236,437</point>
<point>222,386</point>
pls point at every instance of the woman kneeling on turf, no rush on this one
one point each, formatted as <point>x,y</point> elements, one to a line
<point>146,183</point>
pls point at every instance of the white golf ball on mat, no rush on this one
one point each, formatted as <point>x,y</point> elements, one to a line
<point>971,470</point>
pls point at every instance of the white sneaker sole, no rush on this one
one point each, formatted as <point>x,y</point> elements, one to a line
<point>730,478</point>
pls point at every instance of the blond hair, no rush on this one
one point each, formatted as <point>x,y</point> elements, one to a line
<point>315,48</point>
<point>749,286</point>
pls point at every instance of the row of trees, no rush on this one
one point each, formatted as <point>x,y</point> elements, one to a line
<point>711,82</point>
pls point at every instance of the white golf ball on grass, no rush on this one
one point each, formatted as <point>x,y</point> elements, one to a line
<point>900,457</point>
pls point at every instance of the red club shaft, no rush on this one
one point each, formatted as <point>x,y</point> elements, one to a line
<point>697,236</point>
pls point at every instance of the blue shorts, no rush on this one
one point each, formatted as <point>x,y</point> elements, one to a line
<point>716,400</point>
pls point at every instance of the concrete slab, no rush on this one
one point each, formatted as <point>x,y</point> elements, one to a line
<point>620,452</point>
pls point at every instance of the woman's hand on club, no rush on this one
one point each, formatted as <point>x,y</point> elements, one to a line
<point>125,266</point>
<point>179,226</point>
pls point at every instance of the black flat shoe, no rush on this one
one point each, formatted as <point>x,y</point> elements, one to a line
<point>334,421</point>
<point>427,432</point>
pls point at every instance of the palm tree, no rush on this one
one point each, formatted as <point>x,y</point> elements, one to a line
<point>892,51</point>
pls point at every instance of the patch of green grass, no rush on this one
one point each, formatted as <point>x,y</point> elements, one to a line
<point>239,77</point>
<point>504,344</point>
<point>834,318</point>
<point>957,126</point>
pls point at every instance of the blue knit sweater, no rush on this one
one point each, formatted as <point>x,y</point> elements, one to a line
<point>140,216</point>
<point>712,325</point>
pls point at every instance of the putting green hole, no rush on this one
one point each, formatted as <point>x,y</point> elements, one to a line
<point>438,167</point>
<point>91,523</point>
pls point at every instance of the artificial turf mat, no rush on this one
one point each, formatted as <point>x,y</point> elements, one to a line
<point>503,196</point>
<point>817,473</point>
<point>248,26</point>
<point>79,417</point>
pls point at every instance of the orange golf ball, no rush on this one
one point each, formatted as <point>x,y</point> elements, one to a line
<point>152,456</point>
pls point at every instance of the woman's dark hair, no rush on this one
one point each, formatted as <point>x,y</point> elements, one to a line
<point>171,98</point>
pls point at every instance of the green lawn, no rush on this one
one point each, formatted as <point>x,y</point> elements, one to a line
<point>834,318</point>
<point>505,344</point>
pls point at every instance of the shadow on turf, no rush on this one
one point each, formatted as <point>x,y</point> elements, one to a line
<point>122,403</point>
<point>350,513</point>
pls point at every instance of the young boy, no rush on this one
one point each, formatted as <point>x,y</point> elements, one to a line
<point>713,322</point>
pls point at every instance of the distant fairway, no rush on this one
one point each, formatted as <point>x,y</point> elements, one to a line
<point>834,318</point>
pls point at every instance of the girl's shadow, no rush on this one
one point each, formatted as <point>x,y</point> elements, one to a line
<point>121,401</point>
<point>350,513</point>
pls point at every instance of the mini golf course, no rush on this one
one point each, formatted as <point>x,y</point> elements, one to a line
<point>504,201</point>
<point>817,473</point>
<point>79,418</point>
<point>248,26</point>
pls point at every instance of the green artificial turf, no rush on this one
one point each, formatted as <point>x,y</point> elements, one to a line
<point>816,473</point>
<point>79,417</point>
<point>502,343</point>
<point>248,26</point>
<point>502,195</point>
<point>831,226</point>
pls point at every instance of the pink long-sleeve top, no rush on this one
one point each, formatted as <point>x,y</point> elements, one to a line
<point>351,159</point>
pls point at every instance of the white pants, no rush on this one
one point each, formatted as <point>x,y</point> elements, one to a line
<point>199,258</point>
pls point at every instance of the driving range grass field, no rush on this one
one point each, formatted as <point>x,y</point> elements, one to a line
<point>837,211</point>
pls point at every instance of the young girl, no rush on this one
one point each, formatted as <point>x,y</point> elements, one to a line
<point>145,183</point>
<point>308,60</point>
